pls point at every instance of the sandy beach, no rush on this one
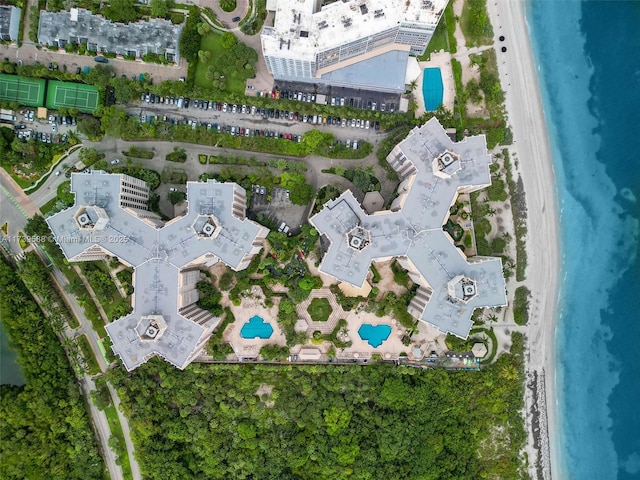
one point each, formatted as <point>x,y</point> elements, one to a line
<point>532,151</point>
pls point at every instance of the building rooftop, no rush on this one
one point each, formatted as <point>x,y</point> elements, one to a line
<point>9,22</point>
<point>78,25</point>
<point>434,170</point>
<point>214,228</point>
<point>301,28</point>
<point>386,70</point>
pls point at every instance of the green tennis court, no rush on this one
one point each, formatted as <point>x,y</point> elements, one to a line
<point>72,95</point>
<point>25,91</point>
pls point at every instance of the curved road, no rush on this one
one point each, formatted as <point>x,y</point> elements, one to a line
<point>16,207</point>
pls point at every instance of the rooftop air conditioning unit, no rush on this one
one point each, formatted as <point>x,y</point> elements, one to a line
<point>84,220</point>
<point>208,229</point>
<point>356,242</point>
<point>151,331</point>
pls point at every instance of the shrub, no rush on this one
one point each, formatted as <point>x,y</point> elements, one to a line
<point>521,305</point>
<point>178,155</point>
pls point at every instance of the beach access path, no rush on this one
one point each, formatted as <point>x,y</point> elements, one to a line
<point>531,150</point>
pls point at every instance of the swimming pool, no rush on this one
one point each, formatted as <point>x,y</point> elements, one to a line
<point>374,334</point>
<point>432,89</point>
<point>256,327</point>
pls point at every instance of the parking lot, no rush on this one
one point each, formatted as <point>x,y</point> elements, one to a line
<point>247,120</point>
<point>350,97</point>
<point>275,206</point>
<point>52,130</point>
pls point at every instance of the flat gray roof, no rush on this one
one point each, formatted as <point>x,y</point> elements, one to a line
<point>157,254</point>
<point>415,230</point>
<point>157,35</point>
<point>9,22</point>
<point>387,70</point>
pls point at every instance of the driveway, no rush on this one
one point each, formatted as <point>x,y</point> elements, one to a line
<point>226,18</point>
<point>29,54</point>
<point>247,120</point>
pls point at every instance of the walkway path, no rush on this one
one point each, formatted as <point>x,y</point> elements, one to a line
<point>226,18</point>
<point>19,207</point>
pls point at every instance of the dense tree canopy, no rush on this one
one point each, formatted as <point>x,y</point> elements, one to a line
<point>44,427</point>
<point>190,38</point>
<point>329,422</point>
<point>122,11</point>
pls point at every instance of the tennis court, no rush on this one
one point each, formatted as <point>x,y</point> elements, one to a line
<point>25,91</point>
<point>72,95</point>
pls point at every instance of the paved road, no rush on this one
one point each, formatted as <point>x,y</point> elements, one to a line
<point>124,422</point>
<point>253,121</point>
<point>12,208</point>
<point>226,18</point>
<point>29,54</point>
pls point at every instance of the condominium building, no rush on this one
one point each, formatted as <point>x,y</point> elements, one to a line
<point>79,26</point>
<point>351,43</point>
<point>9,23</point>
<point>110,218</point>
<point>433,170</point>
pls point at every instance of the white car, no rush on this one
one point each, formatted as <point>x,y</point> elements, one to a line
<point>353,122</point>
<point>344,122</point>
<point>115,162</point>
<point>224,107</point>
<point>366,125</point>
<point>173,189</point>
<point>58,173</point>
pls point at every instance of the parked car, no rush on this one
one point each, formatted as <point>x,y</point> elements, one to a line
<point>115,162</point>
<point>236,19</point>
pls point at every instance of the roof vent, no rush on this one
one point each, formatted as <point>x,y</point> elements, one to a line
<point>151,331</point>
<point>208,229</point>
<point>84,220</point>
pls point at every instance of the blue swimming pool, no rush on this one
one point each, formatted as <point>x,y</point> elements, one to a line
<point>432,89</point>
<point>256,327</point>
<point>374,334</point>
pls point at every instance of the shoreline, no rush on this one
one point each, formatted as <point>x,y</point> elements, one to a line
<point>532,151</point>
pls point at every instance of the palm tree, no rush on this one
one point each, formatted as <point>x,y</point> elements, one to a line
<point>413,85</point>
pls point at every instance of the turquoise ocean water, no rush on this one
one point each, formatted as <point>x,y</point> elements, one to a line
<point>588,53</point>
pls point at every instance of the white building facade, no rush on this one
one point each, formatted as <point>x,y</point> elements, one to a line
<point>308,40</point>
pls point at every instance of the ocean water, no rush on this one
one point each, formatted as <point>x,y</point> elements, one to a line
<point>588,54</point>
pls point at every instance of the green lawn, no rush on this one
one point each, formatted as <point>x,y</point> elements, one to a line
<point>212,43</point>
<point>443,38</point>
<point>319,309</point>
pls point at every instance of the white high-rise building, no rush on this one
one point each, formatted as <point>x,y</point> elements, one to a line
<point>351,43</point>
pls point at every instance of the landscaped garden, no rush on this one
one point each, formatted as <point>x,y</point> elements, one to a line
<point>223,63</point>
<point>319,309</point>
<point>228,5</point>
